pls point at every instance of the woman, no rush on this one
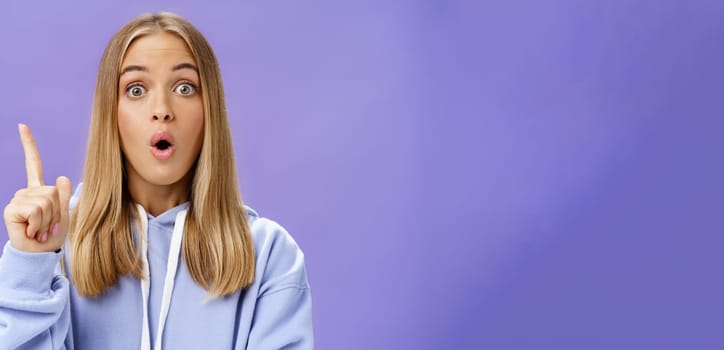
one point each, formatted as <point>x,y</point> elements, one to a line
<point>160,251</point>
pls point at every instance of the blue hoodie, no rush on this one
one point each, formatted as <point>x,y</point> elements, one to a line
<point>40,309</point>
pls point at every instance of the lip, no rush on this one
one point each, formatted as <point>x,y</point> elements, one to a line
<point>159,153</point>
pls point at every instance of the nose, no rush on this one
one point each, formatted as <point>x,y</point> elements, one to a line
<point>162,116</point>
<point>162,110</point>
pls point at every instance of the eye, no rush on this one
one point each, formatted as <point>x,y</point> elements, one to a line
<point>135,91</point>
<point>185,89</point>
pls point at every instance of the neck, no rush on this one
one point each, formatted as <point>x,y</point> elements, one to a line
<point>157,199</point>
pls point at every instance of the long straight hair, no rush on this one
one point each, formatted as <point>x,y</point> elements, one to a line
<point>217,244</point>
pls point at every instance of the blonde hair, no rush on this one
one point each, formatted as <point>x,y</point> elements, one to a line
<point>217,244</point>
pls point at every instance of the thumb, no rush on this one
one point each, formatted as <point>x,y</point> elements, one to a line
<point>65,187</point>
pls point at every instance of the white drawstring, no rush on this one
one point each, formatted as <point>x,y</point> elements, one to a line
<point>173,259</point>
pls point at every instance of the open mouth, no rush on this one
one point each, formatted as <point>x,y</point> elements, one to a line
<point>162,145</point>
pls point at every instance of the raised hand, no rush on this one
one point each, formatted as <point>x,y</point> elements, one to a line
<point>37,217</point>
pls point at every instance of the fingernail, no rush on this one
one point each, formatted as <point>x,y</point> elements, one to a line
<point>43,238</point>
<point>54,230</point>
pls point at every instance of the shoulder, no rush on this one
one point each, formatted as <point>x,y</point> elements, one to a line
<point>268,234</point>
<point>279,259</point>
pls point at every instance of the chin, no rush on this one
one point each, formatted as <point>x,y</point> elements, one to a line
<point>161,174</point>
<point>164,178</point>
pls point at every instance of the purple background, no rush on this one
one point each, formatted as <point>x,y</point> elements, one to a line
<point>460,174</point>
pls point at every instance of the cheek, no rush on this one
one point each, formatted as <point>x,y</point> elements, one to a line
<point>197,133</point>
<point>194,127</point>
<point>128,126</point>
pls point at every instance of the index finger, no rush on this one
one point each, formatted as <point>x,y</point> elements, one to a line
<point>33,165</point>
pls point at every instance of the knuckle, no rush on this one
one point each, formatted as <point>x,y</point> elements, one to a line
<point>46,190</point>
<point>46,203</point>
<point>36,210</point>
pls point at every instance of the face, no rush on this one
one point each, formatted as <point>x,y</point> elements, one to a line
<point>160,111</point>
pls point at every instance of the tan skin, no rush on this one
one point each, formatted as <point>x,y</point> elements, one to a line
<point>158,91</point>
<point>32,214</point>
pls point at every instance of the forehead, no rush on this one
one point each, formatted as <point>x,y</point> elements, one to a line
<point>157,48</point>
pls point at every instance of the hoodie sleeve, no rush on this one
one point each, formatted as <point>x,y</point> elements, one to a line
<point>34,301</point>
<point>283,311</point>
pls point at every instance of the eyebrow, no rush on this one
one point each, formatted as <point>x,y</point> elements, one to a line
<point>179,66</point>
<point>133,68</point>
<point>185,66</point>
